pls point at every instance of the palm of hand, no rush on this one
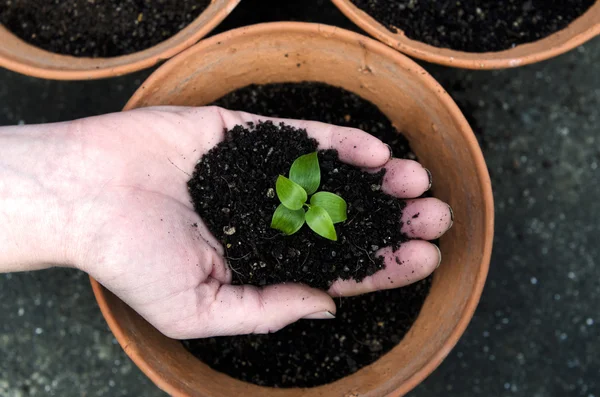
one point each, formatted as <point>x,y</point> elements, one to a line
<point>144,241</point>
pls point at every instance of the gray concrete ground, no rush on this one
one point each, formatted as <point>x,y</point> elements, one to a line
<point>537,329</point>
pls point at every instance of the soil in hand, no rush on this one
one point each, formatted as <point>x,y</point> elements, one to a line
<point>98,28</point>
<point>233,190</point>
<point>475,26</point>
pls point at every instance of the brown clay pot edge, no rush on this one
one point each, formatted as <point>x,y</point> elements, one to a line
<point>103,296</point>
<point>24,58</point>
<point>578,32</point>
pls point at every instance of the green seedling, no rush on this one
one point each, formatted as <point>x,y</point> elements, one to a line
<point>320,213</point>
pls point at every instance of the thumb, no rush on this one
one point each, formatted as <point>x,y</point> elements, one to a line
<point>246,309</point>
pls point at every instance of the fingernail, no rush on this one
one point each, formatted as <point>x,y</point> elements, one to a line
<point>440,254</point>
<point>326,315</point>
<point>430,178</point>
<point>451,217</point>
<point>391,151</point>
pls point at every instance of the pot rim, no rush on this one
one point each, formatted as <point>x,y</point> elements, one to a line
<point>98,68</point>
<point>543,49</point>
<point>274,28</point>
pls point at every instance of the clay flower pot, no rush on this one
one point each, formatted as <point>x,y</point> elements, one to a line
<point>578,32</point>
<point>17,55</point>
<point>439,135</point>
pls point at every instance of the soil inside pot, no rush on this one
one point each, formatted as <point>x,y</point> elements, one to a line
<point>310,353</point>
<point>475,26</point>
<point>98,28</point>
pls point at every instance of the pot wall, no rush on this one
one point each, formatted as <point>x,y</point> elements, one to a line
<point>439,135</point>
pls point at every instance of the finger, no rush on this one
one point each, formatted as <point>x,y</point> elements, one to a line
<point>426,218</point>
<point>413,261</point>
<point>355,147</point>
<point>404,178</point>
<point>217,267</point>
<point>233,310</point>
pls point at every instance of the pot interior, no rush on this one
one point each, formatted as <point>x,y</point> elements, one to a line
<point>439,135</point>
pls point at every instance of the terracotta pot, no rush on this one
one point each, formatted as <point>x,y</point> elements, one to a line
<point>581,30</point>
<point>17,55</point>
<point>439,135</point>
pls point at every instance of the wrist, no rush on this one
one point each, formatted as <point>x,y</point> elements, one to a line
<point>35,208</point>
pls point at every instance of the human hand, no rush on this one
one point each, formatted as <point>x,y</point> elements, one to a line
<point>130,222</point>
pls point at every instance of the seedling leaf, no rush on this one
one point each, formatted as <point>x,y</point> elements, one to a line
<point>320,222</point>
<point>292,195</point>
<point>332,203</point>
<point>286,220</point>
<point>305,171</point>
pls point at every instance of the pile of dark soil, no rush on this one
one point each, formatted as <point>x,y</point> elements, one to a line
<point>310,353</point>
<point>475,26</point>
<point>98,28</point>
<point>233,191</point>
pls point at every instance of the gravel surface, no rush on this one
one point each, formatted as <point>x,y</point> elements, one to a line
<point>535,332</point>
